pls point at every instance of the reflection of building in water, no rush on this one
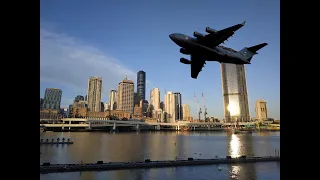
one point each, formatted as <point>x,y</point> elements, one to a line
<point>234,90</point>
<point>239,146</point>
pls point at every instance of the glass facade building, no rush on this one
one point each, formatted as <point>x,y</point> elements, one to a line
<point>52,98</point>
<point>141,84</point>
<point>235,94</point>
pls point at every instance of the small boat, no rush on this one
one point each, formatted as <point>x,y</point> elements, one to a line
<point>242,132</point>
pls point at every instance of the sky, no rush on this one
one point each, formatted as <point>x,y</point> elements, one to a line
<point>115,39</point>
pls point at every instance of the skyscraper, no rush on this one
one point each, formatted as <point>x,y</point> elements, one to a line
<point>261,110</point>
<point>170,106</point>
<point>155,99</point>
<point>178,105</point>
<point>185,112</point>
<point>79,98</point>
<point>52,98</point>
<point>94,94</point>
<point>234,90</point>
<point>125,100</point>
<point>113,96</point>
<point>141,84</point>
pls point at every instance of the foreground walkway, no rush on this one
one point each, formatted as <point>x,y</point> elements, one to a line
<point>100,166</point>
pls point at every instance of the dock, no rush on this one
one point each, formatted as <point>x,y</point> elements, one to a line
<point>101,166</point>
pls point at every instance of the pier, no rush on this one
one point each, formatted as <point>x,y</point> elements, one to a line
<point>101,166</point>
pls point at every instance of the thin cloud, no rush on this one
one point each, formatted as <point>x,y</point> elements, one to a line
<point>67,61</point>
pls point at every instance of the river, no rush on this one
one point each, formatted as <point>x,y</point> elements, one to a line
<point>91,147</point>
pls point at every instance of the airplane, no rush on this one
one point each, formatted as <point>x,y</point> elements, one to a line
<point>204,48</point>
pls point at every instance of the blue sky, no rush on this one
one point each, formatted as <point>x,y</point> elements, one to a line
<point>113,39</point>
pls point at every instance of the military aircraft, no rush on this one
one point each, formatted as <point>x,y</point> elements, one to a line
<point>204,48</point>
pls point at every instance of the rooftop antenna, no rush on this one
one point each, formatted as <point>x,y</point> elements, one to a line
<point>126,76</point>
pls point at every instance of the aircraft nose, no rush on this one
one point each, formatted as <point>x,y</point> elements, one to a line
<point>171,36</point>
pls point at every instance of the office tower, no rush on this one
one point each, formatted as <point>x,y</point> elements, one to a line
<point>141,84</point>
<point>52,98</point>
<point>170,106</point>
<point>155,99</point>
<point>137,99</point>
<point>113,95</point>
<point>178,105</point>
<point>185,112</point>
<point>79,98</point>
<point>235,95</point>
<point>94,94</point>
<point>41,103</point>
<point>125,101</point>
<point>107,106</point>
<point>162,105</point>
<point>261,110</point>
<point>102,107</point>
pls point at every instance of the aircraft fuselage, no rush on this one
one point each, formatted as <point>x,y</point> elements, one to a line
<point>202,48</point>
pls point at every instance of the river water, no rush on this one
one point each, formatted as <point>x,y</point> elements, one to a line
<point>91,147</point>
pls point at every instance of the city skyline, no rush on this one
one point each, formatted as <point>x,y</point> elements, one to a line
<point>70,55</point>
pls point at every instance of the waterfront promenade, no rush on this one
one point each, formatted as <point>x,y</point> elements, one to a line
<point>100,166</point>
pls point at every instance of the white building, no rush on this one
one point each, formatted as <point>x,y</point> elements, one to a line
<point>155,99</point>
<point>113,99</point>
<point>94,94</point>
<point>170,106</point>
<point>185,112</point>
<point>261,110</point>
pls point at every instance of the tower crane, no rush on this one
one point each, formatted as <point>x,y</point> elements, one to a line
<point>197,102</point>
<point>205,108</point>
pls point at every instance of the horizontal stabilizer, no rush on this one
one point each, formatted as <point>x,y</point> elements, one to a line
<point>249,52</point>
<point>255,48</point>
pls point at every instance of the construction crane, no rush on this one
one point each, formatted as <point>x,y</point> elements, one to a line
<point>205,108</point>
<point>197,102</point>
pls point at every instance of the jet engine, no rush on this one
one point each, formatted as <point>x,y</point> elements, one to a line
<point>184,51</point>
<point>185,61</point>
<point>198,35</point>
<point>211,31</point>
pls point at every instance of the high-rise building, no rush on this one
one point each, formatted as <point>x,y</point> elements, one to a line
<point>125,101</point>
<point>106,107</point>
<point>41,103</point>
<point>235,95</point>
<point>141,84</point>
<point>94,94</point>
<point>185,112</point>
<point>137,99</point>
<point>162,105</point>
<point>261,110</point>
<point>170,106</point>
<point>52,98</point>
<point>79,98</point>
<point>178,106</point>
<point>113,99</point>
<point>155,99</point>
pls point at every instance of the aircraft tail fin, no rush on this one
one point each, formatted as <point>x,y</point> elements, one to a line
<point>249,52</point>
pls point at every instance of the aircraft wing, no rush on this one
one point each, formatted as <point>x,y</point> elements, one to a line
<point>197,63</point>
<point>220,36</point>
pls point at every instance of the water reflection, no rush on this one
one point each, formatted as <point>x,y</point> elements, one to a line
<point>119,147</point>
<point>234,146</point>
<point>241,145</point>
